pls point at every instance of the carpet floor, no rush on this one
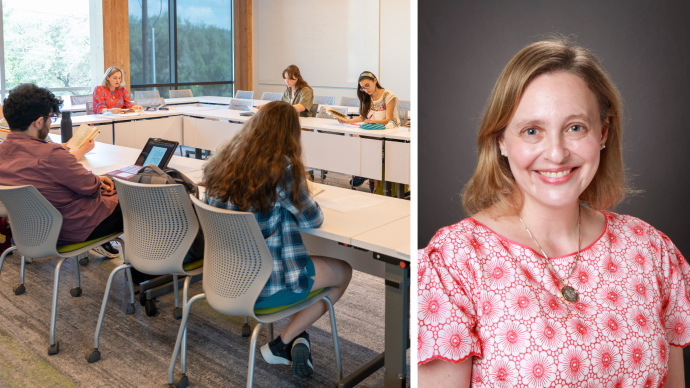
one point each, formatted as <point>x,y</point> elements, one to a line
<point>136,349</point>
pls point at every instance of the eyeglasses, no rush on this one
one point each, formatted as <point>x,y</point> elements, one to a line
<point>365,87</point>
<point>52,118</point>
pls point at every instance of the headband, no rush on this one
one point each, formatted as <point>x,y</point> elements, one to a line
<point>367,74</point>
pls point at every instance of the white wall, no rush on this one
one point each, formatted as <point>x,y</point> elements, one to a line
<point>385,44</point>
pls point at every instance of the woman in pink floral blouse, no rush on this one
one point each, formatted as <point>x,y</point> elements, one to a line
<point>542,287</point>
<point>112,94</point>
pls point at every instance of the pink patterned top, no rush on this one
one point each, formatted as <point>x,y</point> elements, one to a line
<point>105,99</point>
<point>485,296</point>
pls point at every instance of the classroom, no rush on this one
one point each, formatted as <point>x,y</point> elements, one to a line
<point>276,205</point>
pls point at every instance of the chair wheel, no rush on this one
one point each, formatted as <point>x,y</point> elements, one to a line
<point>93,356</point>
<point>20,289</point>
<point>130,309</point>
<point>54,349</point>
<point>150,307</point>
<point>246,330</point>
<point>177,313</point>
<point>75,292</point>
<point>84,261</point>
<point>181,381</point>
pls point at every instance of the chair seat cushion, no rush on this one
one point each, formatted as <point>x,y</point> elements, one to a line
<point>272,310</point>
<point>192,265</point>
<point>75,246</point>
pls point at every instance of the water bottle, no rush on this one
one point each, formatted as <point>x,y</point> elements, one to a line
<point>66,126</point>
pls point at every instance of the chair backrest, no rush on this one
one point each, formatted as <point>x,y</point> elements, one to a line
<point>83,99</point>
<point>247,95</point>
<point>403,109</point>
<point>160,226</point>
<point>314,110</point>
<point>349,101</point>
<point>324,115</point>
<point>181,93</point>
<point>238,104</point>
<point>149,101</point>
<point>146,94</point>
<point>35,222</point>
<point>89,108</point>
<point>324,100</point>
<point>237,262</point>
<point>271,96</point>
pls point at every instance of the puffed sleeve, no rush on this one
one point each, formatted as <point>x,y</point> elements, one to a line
<point>673,275</point>
<point>126,99</point>
<point>446,313</point>
<point>99,100</point>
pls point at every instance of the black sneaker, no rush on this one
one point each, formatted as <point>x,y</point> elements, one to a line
<point>276,352</point>
<point>108,247</point>
<point>301,356</point>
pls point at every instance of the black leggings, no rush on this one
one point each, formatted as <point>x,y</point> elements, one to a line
<point>112,224</point>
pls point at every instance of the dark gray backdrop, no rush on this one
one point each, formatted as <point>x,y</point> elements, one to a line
<point>644,46</point>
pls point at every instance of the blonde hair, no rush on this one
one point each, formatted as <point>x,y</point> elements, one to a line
<point>112,70</point>
<point>493,184</point>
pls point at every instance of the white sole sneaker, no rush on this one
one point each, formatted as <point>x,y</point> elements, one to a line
<point>301,362</point>
<point>99,250</point>
<point>271,358</point>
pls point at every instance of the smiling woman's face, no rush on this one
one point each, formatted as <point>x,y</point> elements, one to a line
<point>554,139</point>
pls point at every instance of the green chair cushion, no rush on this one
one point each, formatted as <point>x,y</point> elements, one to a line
<point>193,265</point>
<point>75,246</point>
<point>271,310</point>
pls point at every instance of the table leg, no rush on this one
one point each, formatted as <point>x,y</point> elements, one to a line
<point>197,153</point>
<point>386,189</point>
<point>401,190</point>
<point>397,324</point>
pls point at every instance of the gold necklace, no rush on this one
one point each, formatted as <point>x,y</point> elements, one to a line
<point>568,293</point>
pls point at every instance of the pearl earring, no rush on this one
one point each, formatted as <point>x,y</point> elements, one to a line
<point>604,146</point>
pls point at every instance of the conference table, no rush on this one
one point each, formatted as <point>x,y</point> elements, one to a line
<point>327,144</point>
<point>374,239</point>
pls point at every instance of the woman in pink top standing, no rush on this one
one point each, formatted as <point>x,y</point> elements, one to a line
<point>542,286</point>
<point>112,94</point>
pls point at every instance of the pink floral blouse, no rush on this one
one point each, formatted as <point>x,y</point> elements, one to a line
<point>485,296</point>
<point>105,99</point>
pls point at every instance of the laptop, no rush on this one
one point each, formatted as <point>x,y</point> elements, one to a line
<point>156,151</point>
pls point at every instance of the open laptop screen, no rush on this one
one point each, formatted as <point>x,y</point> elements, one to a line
<point>157,151</point>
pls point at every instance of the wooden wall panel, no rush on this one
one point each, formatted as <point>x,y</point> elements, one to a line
<point>116,36</point>
<point>243,44</point>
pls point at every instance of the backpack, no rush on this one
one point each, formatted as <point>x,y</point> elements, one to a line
<point>5,234</point>
<point>152,174</point>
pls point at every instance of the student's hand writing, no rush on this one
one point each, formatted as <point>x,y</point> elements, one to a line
<point>106,184</point>
<point>115,110</point>
<point>341,121</point>
<point>370,121</point>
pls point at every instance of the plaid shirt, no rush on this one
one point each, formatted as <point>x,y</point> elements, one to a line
<point>280,227</point>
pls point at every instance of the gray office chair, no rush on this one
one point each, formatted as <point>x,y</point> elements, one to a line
<point>89,108</point>
<point>36,225</point>
<point>146,94</point>
<point>403,110</point>
<point>148,102</point>
<point>237,104</point>
<point>324,100</point>
<point>185,93</point>
<point>349,101</point>
<point>82,99</point>
<point>160,226</point>
<point>237,265</point>
<point>271,96</point>
<point>247,95</point>
<point>314,110</point>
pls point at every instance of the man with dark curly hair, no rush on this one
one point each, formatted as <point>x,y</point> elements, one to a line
<point>88,203</point>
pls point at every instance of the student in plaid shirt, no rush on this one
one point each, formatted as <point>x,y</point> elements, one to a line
<point>260,170</point>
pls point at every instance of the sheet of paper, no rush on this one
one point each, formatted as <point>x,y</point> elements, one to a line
<point>351,203</point>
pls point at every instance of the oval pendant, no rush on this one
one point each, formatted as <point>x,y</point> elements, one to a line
<point>570,294</point>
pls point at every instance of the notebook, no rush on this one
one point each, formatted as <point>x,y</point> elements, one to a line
<point>156,151</point>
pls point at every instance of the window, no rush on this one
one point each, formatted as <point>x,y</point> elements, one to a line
<point>47,45</point>
<point>191,49</point>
